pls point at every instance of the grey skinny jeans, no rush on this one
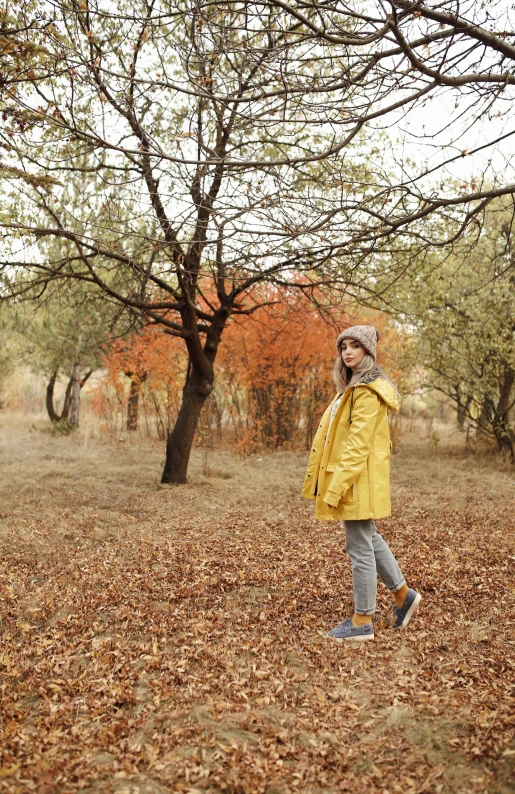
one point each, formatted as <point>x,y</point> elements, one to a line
<point>370,555</point>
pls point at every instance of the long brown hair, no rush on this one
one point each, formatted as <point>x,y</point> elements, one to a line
<point>344,376</point>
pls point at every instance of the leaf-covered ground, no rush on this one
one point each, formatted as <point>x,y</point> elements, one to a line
<point>160,639</point>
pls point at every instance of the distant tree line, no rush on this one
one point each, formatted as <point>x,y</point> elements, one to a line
<point>174,158</point>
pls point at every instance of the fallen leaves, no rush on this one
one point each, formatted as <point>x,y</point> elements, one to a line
<point>194,658</point>
<point>9,771</point>
<point>5,661</point>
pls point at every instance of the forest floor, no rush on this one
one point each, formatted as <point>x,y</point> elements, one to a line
<point>172,639</point>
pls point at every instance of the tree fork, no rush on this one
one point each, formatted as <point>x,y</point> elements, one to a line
<point>52,413</point>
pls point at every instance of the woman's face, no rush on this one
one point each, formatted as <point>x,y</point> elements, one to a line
<point>352,353</point>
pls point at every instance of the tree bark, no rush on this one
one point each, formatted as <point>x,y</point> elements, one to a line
<point>501,426</point>
<point>180,441</point>
<point>462,407</point>
<point>53,415</point>
<point>65,413</point>
<point>75,395</point>
<point>133,403</point>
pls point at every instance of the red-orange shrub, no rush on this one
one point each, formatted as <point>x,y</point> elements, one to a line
<point>144,374</point>
<point>273,373</point>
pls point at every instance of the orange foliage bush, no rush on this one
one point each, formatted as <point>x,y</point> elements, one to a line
<point>274,369</point>
<point>146,371</point>
<point>273,373</point>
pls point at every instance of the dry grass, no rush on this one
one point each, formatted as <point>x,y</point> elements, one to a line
<point>161,639</point>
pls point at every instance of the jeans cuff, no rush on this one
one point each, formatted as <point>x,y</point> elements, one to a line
<point>365,611</point>
<point>395,587</point>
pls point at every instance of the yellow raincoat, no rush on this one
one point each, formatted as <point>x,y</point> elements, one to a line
<point>349,465</point>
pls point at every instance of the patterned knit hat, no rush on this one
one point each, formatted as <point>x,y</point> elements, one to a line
<point>366,335</point>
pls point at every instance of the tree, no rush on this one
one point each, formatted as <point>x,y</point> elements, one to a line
<point>24,60</point>
<point>64,334</point>
<point>224,146</point>
<point>462,310</point>
<point>6,358</point>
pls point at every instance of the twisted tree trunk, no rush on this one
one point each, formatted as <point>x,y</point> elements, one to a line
<point>52,413</point>
<point>65,413</point>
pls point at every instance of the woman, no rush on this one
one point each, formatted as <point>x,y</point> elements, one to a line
<point>348,476</point>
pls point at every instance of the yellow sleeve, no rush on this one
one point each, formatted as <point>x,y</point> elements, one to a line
<point>357,446</point>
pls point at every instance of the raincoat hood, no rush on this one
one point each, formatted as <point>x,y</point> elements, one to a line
<point>386,392</point>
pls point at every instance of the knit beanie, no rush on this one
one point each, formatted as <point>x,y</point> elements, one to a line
<point>366,335</point>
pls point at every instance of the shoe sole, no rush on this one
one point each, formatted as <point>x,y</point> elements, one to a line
<point>411,611</point>
<point>352,639</point>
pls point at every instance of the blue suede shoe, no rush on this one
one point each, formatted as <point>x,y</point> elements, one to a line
<point>347,631</point>
<point>402,615</point>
